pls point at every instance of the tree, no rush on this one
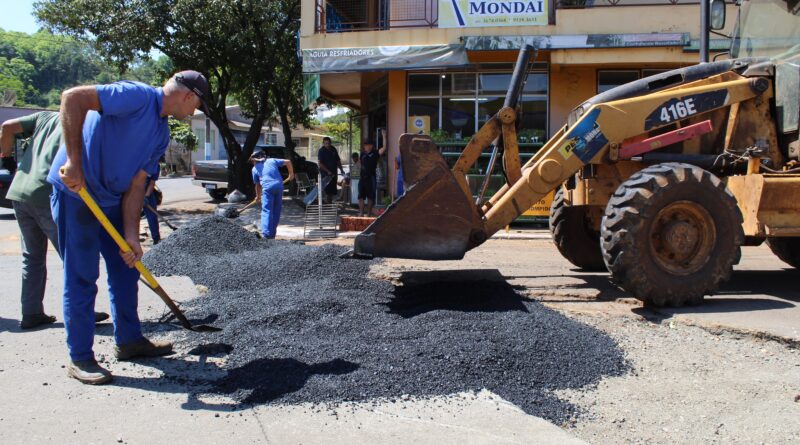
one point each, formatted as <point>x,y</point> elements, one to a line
<point>181,133</point>
<point>339,128</point>
<point>235,43</point>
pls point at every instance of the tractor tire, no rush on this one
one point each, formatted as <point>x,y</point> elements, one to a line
<point>575,240</point>
<point>787,249</point>
<point>671,234</point>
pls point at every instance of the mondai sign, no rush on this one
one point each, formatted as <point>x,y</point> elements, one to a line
<point>479,13</point>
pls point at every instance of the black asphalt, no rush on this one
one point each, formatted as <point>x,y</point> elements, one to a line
<point>302,325</point>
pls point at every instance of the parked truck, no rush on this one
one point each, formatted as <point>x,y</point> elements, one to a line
<point>659,181</point>
<point>213,175</point>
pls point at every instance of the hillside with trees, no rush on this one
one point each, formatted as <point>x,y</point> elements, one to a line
<point>36,68</point>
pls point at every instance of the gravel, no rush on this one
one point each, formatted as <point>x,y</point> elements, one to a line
<point>302,325</point>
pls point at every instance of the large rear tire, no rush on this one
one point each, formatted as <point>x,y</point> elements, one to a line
<point>575,240</point>
<point>671,234</point>
<point>787,249</point>
<point>218,194</point>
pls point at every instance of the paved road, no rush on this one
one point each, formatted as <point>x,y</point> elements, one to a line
<point>141,408</point>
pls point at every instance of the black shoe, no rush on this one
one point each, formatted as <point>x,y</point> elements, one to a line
<point>142,348</point>
<point>100,316</point>
<point>32,321</point>
<point>88,372</point>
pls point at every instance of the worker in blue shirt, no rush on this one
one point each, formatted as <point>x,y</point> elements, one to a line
<point>113,137</point>
<point>269,187</point>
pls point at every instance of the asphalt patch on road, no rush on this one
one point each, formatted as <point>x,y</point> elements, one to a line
<point>302,325</point>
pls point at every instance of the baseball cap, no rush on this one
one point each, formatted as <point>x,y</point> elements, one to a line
<point>198,84</point>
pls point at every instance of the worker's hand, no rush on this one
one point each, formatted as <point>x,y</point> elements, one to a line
<point>72,176</point>
<point>130,258</point>
<point>289,178</point>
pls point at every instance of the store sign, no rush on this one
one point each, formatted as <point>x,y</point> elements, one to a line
<point>480,13</point>
<point>419,124</point>
<point>541,208</point>
<point>331,60</point>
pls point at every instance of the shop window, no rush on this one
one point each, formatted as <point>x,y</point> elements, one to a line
<point>608,79</point>
<point>458,84</point>
<point>423,115</point>
<point>468,100</point>
<point>271,138</point>
<point>458,117</point>
<point>423,85</point>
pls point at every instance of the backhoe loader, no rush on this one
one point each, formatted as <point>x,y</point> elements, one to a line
<point>659,181</point>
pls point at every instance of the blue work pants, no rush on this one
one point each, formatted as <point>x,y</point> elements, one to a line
<point>81,241</point>
<point>152,218</point>
<point>271,202</point>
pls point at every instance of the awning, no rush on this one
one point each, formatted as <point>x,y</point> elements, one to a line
<point>580,41</point>
<point>329,60</point>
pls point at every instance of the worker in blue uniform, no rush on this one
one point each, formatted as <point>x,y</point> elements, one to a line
<point>269,187</point>
<point>113,137</point>
<point>150,209</point>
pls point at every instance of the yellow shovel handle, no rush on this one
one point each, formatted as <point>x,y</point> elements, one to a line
<point>123,245</point>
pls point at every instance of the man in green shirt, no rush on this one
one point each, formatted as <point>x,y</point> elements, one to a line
<point>30,195</point>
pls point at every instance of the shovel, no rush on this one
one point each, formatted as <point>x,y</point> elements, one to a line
<point>164,220</point>
<point>148,277</point>
<point>236,213</point>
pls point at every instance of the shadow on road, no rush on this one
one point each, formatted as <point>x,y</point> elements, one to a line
<point>257,382</point>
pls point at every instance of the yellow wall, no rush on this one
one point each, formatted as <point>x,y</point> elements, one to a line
<point>569,86</point>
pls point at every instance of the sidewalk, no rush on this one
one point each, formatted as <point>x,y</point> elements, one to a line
<point>291,224</point>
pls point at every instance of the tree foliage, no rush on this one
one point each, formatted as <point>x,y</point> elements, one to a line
<point>181,133</point>
<point>38,67</point>
<point>240,45</point>
<point>338,127</point>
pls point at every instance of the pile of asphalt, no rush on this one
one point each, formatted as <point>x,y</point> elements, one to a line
<point>302,325</point>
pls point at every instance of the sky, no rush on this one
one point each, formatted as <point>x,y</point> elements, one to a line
<point>17,15</point>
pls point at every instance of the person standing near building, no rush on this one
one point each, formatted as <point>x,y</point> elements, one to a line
<point>30,196</point>
<point>368,177</point>
<point>329,161</point>
<point>269,187</point>
<point>113,137</point>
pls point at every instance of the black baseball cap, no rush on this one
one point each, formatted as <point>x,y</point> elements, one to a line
<point>198,84</point>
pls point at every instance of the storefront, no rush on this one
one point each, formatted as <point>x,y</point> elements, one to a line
<point>448,79</point>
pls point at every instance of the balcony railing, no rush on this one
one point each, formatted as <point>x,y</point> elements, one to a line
<point>377,15</point>
<point>374,15</point>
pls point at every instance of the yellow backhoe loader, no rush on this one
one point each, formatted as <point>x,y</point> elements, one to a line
<point>659,181</point>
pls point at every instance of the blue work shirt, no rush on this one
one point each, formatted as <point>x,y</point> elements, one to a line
<point>127,136</point>
<point>268,173</point>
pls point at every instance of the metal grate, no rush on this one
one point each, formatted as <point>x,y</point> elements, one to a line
<point>321,221</point>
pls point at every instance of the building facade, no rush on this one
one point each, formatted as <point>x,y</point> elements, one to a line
<point>442,67</point>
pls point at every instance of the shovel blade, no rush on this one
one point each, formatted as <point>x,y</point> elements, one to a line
<point>434,220</point>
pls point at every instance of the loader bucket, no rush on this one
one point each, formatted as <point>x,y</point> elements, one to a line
<point>434,220</point>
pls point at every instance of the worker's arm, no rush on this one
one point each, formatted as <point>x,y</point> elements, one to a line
<point>382,150</point>
<point>289,167</point>
<point>132,203</point>
<point>75,103</point>
<point>339,163</point>
<point>8,132</point>
<point>259,192</point>
<point>150,187</point>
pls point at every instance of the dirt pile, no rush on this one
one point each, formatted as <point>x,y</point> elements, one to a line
<point>302,325</point>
